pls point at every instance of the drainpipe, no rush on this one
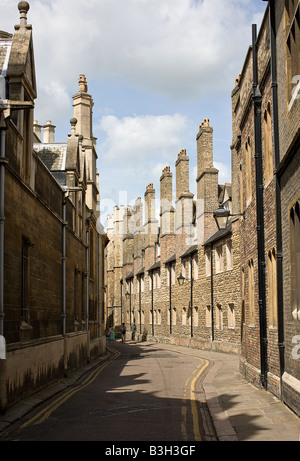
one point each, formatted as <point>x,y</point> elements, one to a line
<point>130,302</point>
<point>64,295</point>
<point>2,219</point>
<point>260,213</point>
<point>170,297</point>
<point>140,303</point>
<point>121,282</point>
<point>152,304</point>
<point>274,87</point>
<point>99,283</point>
<point>87,275</point>
<point>192,307</point>
<point>212,292</point>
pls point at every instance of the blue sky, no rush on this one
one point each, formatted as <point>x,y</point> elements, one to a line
<point>155,70</point>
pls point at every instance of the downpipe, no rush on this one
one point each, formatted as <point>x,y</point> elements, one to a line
<point>257,99</point>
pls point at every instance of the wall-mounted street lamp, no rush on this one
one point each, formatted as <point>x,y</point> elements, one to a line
<point>181,280</point>
<point>128,296</point>
<point>222,215</point>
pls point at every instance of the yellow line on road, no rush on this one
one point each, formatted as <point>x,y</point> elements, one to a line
<point>190,385</point>
<point>46,412</point>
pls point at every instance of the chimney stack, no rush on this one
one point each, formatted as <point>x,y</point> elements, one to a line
<point>49,133</point>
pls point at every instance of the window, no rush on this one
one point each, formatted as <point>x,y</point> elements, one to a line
<point>248,171</point>
<point>184,316</point>
<point>229,256</point>
<point>292,35</point>
<point>142,283</point>
<point>158,317</point>
<point>173,278</point>
<point>208,263</point>
<point>268,145</point>
<point>171,272</point>
<point>219,259</point>
<point>243,296</point>
<point>157,279</point>
<point>91,253</point>
<point>195,266</point>
<point>184,269</point>
<point>195,319</point>
<point>150,317</point>
<point>219,317</point>
<point>208,316</point>
<point>251,291</point>
<point>241,189</point>
<point>174,316</point>
<point>231,316</point>
<point>295,260</point>
<point>272,287</point>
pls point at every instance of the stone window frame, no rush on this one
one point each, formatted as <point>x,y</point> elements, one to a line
<point>158,317</point>
<point>231,316</point>
<point>172,268</point>
<point>292,39</point>
<point>219,258</point>
<point>241,184</point>
<point>272,287</point>
<point>174,316</point>
<point>251,292</point>
<point>184,316</point>
<point>268,145</point>
<point>208,262</point>
<point>208,316</point>
<point>294,244</point>
<point>195,316</point>
<point>248,178</point>
<point>229,254</point>
<point>195,266</point>
<point>219,317</point>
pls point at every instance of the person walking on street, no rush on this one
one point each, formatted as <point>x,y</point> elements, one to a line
<point>123,332</point>
<point>111,335</point>
<point>133,330</point>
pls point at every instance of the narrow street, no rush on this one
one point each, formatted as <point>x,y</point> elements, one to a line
<point>142,393</point>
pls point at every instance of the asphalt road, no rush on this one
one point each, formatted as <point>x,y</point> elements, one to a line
<point>142,393</point>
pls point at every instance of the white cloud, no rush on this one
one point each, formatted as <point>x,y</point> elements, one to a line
<point>180,48</point>
<point>132,141</point>
<point>224,172</point>
<point>136,149</point>
<point>177,49</point>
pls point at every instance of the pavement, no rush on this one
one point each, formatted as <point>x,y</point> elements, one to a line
<point>239,410</point>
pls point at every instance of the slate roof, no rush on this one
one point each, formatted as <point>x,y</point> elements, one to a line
<point>52,155</point>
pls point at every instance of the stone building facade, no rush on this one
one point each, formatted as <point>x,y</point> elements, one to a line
<point>149,249</point>
<point>284,24</point>
<point>51,304</point>
<point>265,182</point>
<point>241,291</point>
<point>254,194</point>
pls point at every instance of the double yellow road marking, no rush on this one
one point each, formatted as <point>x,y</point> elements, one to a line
<point>47,411</point>
<point>189,397</point>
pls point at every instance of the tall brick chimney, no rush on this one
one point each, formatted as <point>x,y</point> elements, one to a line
<point>207,181</point>
<point>151,226</point>
<point>184,198</point>
<point>166,208</point>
